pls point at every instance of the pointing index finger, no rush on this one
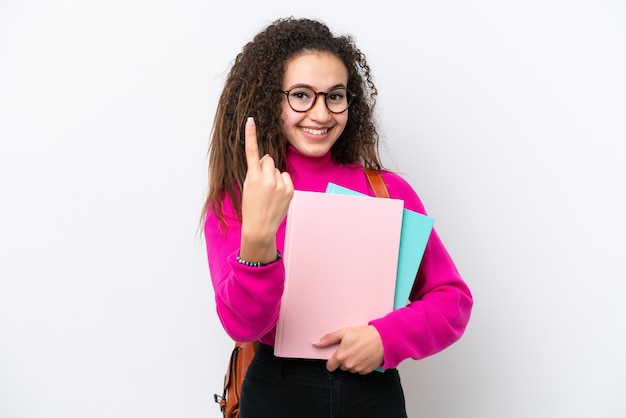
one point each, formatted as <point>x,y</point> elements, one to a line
<point>251,145</point>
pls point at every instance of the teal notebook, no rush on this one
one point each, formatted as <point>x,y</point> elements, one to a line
<point>414,235</point>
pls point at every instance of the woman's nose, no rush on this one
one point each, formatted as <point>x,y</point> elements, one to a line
<point>319,111</point>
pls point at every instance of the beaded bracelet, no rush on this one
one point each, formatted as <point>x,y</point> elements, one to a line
<point>257,263</point>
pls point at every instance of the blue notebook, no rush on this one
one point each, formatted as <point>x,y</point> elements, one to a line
<point>416,229</point>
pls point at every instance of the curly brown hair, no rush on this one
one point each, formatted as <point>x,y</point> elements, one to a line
<point>251,90</point>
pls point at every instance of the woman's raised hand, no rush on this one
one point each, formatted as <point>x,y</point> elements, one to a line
<point>266,196</point>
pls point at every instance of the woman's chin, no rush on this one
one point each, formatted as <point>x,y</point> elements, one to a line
<point>313,149</point>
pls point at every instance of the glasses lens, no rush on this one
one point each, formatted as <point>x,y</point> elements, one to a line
<point>338,100</point>
<point>301,98</point>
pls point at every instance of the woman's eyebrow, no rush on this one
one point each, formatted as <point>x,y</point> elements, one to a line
<point>336,86</point>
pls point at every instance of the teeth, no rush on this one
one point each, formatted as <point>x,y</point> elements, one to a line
<point>315,131</point>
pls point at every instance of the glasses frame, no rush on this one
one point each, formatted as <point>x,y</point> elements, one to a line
<point>350,97</point>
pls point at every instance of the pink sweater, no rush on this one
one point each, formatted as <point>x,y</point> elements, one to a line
<point>248,298</point>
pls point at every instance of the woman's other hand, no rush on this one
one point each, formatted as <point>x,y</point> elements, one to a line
<point>360,349</point>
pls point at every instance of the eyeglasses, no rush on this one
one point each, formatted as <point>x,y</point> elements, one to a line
<point>302,99</point>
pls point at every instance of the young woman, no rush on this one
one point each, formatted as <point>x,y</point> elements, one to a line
<point>296,112</point>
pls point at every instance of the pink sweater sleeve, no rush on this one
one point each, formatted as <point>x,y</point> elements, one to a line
<point>247,298</point>
<point>440,305</point>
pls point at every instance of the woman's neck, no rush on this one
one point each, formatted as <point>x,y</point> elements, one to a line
<point>310,173</point>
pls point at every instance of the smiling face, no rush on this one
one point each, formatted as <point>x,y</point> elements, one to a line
<point>314,132</point>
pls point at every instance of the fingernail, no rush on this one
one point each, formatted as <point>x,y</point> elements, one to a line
<point>249,120</point>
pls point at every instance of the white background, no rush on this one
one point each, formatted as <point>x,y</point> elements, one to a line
<point>508,118</point>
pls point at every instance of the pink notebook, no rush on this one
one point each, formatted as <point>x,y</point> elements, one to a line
<point>341,257</point>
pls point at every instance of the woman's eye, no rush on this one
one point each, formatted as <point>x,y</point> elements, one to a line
<point>336,96</point>
<point>300,95</point>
